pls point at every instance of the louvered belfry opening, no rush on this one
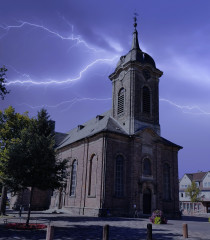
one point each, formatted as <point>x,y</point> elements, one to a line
<point>146,100</point>
<point>121,100</point>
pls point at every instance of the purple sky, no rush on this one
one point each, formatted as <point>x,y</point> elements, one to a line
<point>59,55</point>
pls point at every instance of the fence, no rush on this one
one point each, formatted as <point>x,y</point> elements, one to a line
<point>50,232</point>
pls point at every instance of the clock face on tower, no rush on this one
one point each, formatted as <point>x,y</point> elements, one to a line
<point>146,74</point>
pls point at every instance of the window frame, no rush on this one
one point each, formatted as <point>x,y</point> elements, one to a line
<point>121,102</point>
<point>92,181</point>
<point>73,181</point>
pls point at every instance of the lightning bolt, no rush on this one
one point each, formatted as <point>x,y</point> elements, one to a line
<point>69,80</point>
<point>187,109</point>
<point>71,102</point>
<point>26,79</point>
<point>78,39</point>
<point>23,75</point>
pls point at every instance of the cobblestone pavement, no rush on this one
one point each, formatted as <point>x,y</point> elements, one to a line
<point>86,228</point>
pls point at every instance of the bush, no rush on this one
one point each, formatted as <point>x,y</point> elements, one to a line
<point>158,217</point>
<point>157,220</point>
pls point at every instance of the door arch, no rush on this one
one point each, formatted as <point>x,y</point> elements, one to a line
<point>147,197</point>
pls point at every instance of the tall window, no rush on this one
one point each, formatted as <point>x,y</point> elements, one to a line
<point>92,176</point>
<point>166,182</point>
<point>121,101</point>
<point>119,183</point>
<point>73,178</point>
<point>147,171</point>
<point>146,100</point>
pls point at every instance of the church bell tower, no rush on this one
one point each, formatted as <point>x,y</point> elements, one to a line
<point>135,90</point>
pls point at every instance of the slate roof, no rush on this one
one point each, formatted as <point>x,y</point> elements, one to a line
<point>103,122</point>
<point>59,138</point>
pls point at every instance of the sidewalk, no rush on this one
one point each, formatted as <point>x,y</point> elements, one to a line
<point>84,228</point>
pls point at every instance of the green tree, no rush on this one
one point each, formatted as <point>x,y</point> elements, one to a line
<point>193,192</point>
<point>32,162</point>
<point>3,90</point>
<point>11,125</point>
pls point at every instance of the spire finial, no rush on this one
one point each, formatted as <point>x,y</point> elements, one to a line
<point>135,43</point>
<point>135,20</point>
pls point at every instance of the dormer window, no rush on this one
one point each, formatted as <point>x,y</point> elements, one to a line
<point>99,117</point>
<point>121,101</point>
<point>79,127</point>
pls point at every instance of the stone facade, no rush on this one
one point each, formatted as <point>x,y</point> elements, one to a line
<point>134,149</point>
<point>118,162</point>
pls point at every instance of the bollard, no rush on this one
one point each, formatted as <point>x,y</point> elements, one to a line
<point>149,231</point>
<point>50,233</point>
<point>185,230</point>
<point>106,232</point>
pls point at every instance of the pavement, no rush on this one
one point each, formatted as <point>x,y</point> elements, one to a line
<point>68,227</point>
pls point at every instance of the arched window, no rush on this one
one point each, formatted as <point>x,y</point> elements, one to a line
<point>121,101</point>
<point>119,181</point>
<point>92,176</point>
<point>73,178</point>
<point>146,100</point>
<point>147,170</point>
<point>166,182</point>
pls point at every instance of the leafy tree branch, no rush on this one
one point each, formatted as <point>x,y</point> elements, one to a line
<point>3,90</point>
<point>193,192</point>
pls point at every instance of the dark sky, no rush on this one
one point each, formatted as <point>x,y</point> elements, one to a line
<point>59,54</point>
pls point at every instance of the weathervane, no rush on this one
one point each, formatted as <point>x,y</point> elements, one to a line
<point>135,19</point>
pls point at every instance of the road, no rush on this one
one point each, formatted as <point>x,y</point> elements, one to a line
<point>85,228</point>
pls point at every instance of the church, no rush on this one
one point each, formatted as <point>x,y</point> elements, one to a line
<point>118,161</point>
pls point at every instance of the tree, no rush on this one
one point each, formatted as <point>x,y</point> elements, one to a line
<point>11,125</point>
<point>32,162</point>
<point>3,90</point>
<point>193,192</point>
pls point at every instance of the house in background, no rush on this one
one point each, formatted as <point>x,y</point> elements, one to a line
<point>202,180</point>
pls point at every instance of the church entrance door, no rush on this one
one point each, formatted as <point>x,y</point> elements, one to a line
<point>147,201</point>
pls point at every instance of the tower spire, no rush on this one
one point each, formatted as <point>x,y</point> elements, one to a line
<point>135,20</point>
<point>135,42</point>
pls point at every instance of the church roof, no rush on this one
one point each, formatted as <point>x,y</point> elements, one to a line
<point>98,124</point>
<point>103,122</point>
<point>59,138</point>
